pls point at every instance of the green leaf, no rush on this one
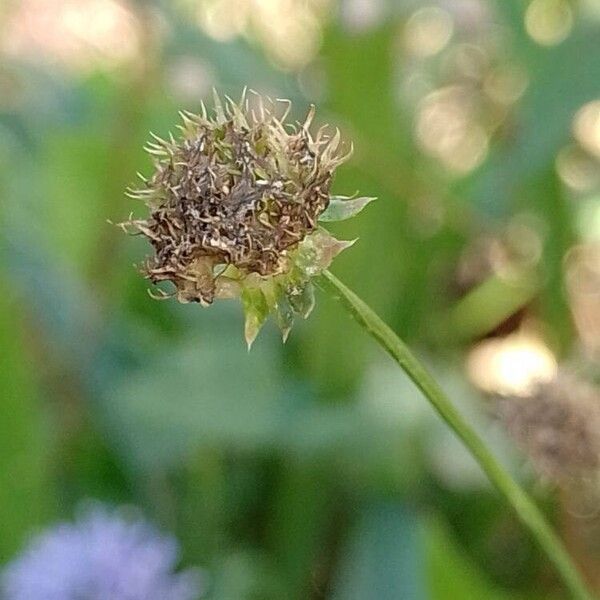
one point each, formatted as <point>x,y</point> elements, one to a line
<point>343,207</point>
<point>256,311</point>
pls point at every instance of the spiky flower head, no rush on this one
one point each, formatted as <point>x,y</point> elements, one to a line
<point>558,426</point>
<point>235,203</point>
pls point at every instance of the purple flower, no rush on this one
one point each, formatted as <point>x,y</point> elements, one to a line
<point>104,555</point>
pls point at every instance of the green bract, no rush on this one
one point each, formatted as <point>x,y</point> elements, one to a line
<point>235,203</point>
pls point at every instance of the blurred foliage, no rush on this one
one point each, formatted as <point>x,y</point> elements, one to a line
<point>26,493</point>
<point>309,470</point>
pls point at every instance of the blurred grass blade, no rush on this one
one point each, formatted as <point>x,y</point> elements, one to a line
<point>490,303</point>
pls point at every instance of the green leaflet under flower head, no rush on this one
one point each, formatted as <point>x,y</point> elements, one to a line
<point>234,205</point>
<point>343,207</point>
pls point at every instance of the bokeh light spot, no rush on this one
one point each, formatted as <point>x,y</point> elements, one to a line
<point>446,129</point>
<point>586,127</point>
<point>80,35</point>
<point>513,365</point>
<point>428,31</point>
<point>549,22</point>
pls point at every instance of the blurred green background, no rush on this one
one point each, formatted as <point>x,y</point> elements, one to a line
<point>311,469</point>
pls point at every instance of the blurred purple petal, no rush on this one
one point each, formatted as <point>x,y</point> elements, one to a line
<point>103,555</point>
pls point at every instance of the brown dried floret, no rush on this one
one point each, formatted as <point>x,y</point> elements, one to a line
<point>558,427</point>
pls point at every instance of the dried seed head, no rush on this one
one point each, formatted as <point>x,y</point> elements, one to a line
<point>558,427</point>
<point>234,208</point>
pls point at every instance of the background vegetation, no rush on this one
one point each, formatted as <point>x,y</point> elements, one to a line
<point>314,469</point>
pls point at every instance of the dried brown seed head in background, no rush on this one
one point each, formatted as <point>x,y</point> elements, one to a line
<point>558,427</point>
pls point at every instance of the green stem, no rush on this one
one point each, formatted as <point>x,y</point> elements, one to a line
<point>526,510</point>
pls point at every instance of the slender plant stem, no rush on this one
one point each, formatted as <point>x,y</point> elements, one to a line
<point>525,508</point>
